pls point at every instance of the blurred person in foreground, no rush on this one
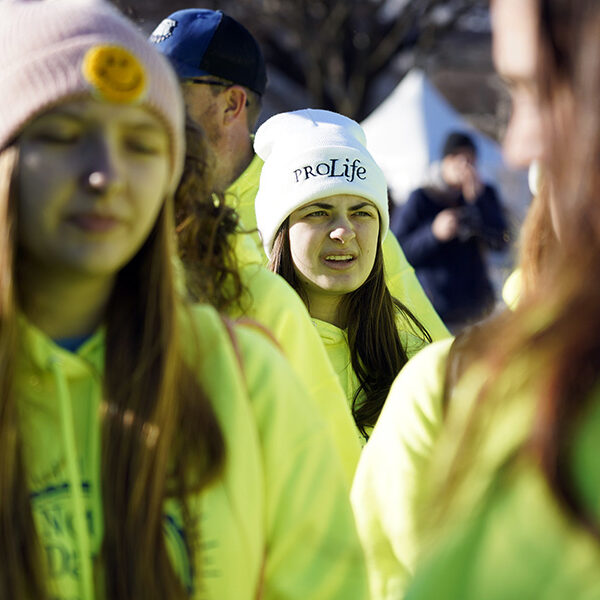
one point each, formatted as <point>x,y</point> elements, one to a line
<point>444,229</point>
<point>145,450</point>
<point>493,439</point>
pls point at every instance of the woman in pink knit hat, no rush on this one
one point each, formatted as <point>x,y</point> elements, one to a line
<point>144,450</point>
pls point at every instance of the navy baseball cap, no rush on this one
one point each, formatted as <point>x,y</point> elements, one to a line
<point>202,42</point>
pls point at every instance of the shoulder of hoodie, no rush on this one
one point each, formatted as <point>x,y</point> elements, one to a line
<point>419,387</point>
<point>265,285</point>
<point>246,361</point>
<point>271,298</point>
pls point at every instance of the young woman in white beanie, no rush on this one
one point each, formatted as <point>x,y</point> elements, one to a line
<point>144,450</point>
<point>322,211</point>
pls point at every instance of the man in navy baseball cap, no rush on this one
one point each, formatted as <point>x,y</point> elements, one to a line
<point>223,77</point>
<point>202,42</point>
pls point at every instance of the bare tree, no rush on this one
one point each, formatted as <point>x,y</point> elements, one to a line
<point>335,49</point>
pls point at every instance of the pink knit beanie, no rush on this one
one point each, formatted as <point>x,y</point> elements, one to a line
<point>54,50</point>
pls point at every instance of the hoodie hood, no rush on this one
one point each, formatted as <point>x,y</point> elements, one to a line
<point>61,447</point>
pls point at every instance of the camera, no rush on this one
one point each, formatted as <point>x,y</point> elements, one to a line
<point>469,223</point>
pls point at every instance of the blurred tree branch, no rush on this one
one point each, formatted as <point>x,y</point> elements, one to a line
<point>335,49</point>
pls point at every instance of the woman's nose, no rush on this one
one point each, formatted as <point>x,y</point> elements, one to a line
<point>102,172</point>
<point>524,139</point>
<point>342,232</point>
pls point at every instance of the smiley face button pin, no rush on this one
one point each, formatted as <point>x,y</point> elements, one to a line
<point>115,73</point>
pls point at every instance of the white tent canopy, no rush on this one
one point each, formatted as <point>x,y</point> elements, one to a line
<point>406,132</point>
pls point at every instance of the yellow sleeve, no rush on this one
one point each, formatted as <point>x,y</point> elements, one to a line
<point>390,476</point>
<point>312,548</point>
<point>511,291</point>
<point>404,285</point>
<point>274,304</point>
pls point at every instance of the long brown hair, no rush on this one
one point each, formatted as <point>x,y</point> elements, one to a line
<point>206,229</point>
<point>370,315</point>
<point>20,569</point>
<point>160,436</point>
<point>555,327</point>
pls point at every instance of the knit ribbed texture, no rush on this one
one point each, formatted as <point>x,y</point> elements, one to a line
<point>43,44</point>
<point>311,154</point>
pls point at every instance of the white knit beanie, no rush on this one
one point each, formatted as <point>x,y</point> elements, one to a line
<point>311,154</point>
<point>53,50</point>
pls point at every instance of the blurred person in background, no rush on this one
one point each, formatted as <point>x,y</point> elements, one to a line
<point>444,229</point>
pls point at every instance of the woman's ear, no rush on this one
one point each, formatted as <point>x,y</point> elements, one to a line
<point>236,100</point>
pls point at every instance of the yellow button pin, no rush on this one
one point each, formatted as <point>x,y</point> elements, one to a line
<point>115,73</point>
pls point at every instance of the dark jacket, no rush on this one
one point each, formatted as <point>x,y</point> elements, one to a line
<point>452,273</point>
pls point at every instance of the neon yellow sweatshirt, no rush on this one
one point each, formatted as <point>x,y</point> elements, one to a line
<point>335,340</point>
<point>240,195</point>
<point>400,276</point>
<point>280,505</point>
<point>505,535</point>
<point>390,478</point>
<point>403,284</point>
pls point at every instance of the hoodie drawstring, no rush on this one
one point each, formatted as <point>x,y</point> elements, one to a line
<point>74,478</point>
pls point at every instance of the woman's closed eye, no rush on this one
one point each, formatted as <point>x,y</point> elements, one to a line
<point>145,145</point>
<point>58,135</point>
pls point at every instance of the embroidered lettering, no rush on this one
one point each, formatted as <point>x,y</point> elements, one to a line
<point>320,171</point>
<point>349,170</point>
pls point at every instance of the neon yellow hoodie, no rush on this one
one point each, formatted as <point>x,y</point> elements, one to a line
<point>240,195</point>
<point>281,496</point>
<point>403,284</point>
<point>505,536</point>
<point>504,533</point>
<point>400,276</point>
<point>335,340</point>
<point>391,474</point>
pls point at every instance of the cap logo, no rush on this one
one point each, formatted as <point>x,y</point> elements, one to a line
<point>333,167</point>
<point>163,31</point>
<point>115,73</point>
